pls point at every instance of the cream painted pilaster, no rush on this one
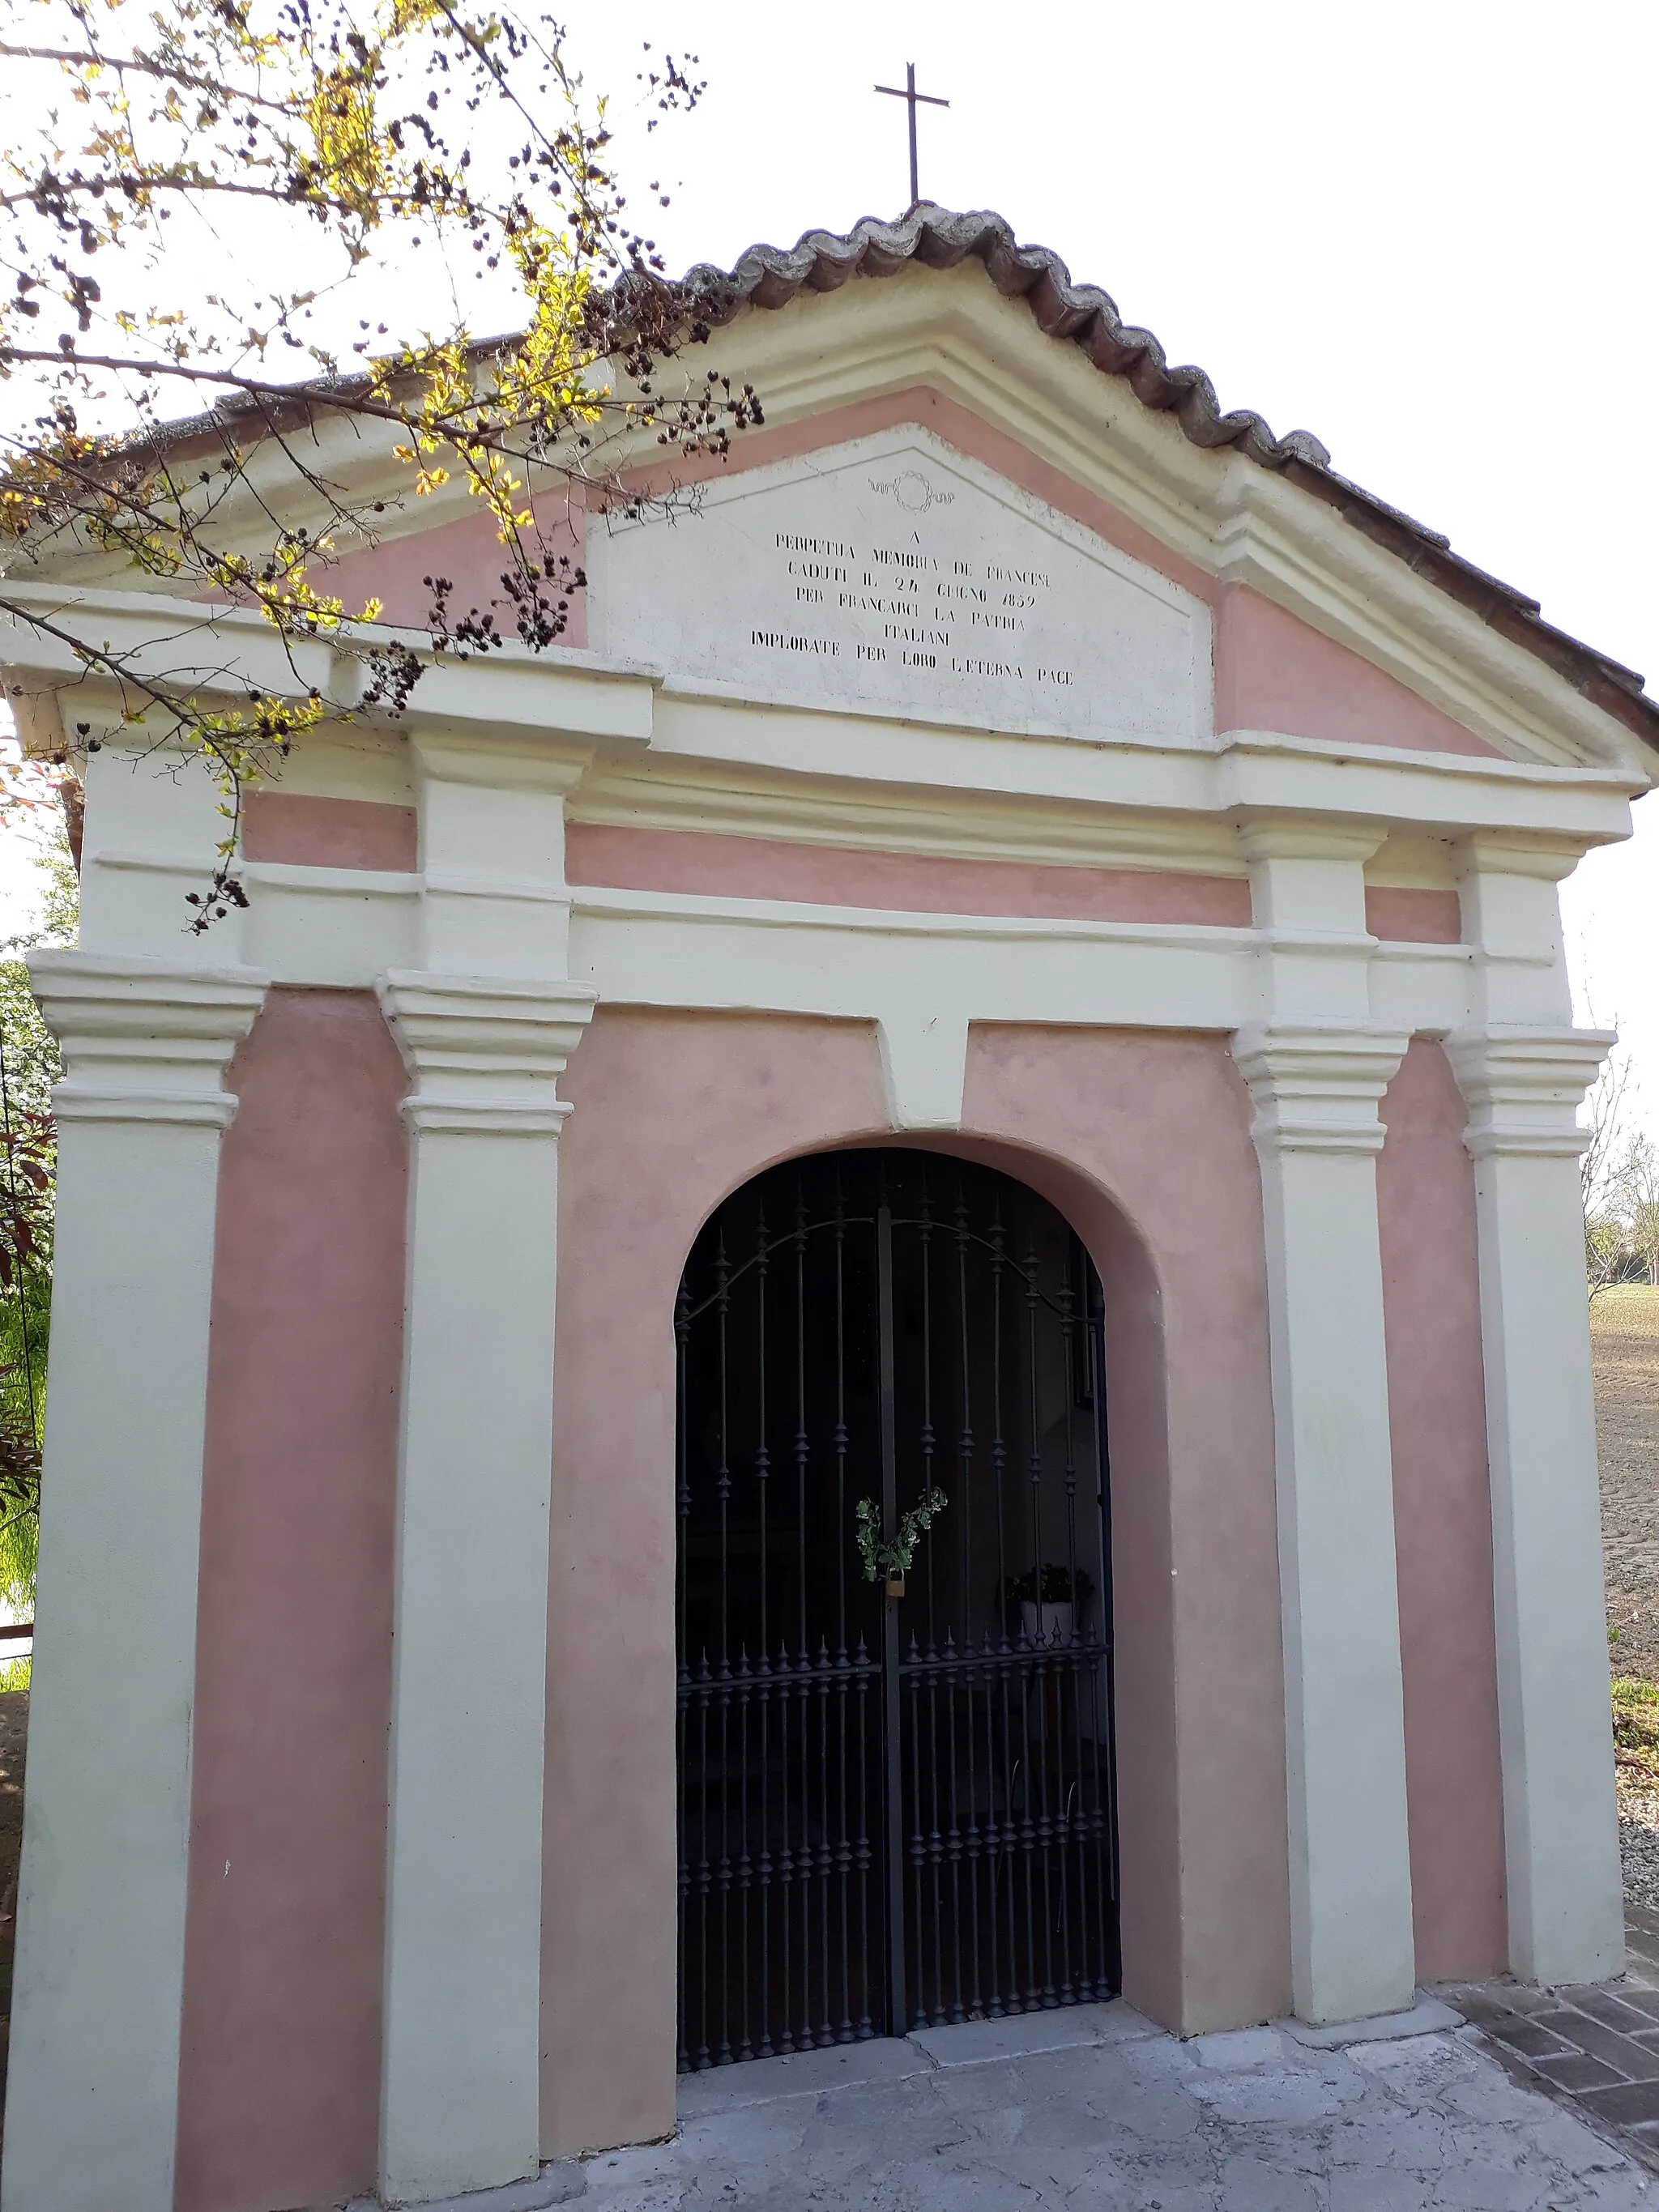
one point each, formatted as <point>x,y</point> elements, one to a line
<point>486,1028</point>
<point>1317,1070</point>
<point>93,2090</point>
<point>1317,1136</point>
<point>1524,1070</point>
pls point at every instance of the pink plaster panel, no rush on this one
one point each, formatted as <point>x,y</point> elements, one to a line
<point>672,1112</point>
<point>917,883</point>
<point>279,2086</point>
<point>1410,916</point>
<point>468,552</point>
<point>1165,1120</point>
<point>1274,672</point>
<point>329,833</point>
<point>1443,1522</point>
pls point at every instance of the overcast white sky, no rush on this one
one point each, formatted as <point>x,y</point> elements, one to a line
<point>1424,232</point>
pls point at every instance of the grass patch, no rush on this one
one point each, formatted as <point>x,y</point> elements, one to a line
<point>1636,1728</point>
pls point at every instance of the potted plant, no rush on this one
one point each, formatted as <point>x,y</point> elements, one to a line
<point>892,1561</point>
<point>1051,1599</point>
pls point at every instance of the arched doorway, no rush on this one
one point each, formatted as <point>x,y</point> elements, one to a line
<point>895,1777</point>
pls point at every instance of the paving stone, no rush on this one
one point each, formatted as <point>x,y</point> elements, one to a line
<point>804,2073</point>
<point>1531,2038</point>
<point>1280,2096</point>
<point>1411,2141</point>
<point>1242,2047</point>
<point>1577,2071</point>
<point>977,2041</point>
<point>1350,2191</point>
<point>1625,2104</point>
<point>1427,2017</point>
<point>1257,2185</point>
<point>1619,2052</point>
<point>1468,1997</point>
<point>1612,2008</point>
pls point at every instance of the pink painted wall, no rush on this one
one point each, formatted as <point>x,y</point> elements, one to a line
<point>1442,1523</point>
<point>1161,1122</point>
<point>1413,917</point>
<point>672,1112</point>
<point>279,2084</point>
<point>466,550</point>
<point>329,833</point>
<point>925,882</point>
<point>1274,673</point>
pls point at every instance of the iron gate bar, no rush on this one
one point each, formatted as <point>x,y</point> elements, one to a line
<point>890,1617</point>
<point>991,1747</point>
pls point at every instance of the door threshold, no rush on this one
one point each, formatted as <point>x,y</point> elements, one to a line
<point>898,2059</point>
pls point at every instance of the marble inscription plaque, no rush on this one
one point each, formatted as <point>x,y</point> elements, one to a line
<point>899,578</point>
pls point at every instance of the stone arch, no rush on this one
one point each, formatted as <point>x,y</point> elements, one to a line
<point>674,1111</point>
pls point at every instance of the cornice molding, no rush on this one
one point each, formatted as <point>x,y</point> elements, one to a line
<point>144,1040</point>
<point>1292,837</point>
<point>1317,1088</point>
<point>1523,1085</point>
<point>485,1052</point>
<point>1214,510</point>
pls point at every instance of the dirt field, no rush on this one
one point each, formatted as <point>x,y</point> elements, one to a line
<point>1625,1332</point>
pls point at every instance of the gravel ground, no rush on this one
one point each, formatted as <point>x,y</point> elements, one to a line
<point>1624,1334</point>
<point>1638,1846</point>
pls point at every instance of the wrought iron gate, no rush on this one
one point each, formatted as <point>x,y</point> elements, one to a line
<point>896,1798</point>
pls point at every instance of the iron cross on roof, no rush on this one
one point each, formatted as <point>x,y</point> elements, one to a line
<point>912,96</point>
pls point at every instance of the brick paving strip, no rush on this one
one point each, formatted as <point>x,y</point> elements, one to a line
<point>1595,2049</point>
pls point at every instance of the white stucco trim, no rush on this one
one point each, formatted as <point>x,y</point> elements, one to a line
<point>460,2093</point>
<point>92,2099</point>
<point>1523,1085</point>
<point>1317,1134</point>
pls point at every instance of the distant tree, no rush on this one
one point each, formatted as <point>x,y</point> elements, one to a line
<point>29,1066</point>
<point>363,169</point>
<point>1606,1129</point>
<point>1637,1183</point>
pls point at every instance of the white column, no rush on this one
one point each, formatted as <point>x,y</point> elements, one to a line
<point>1317,1070</point>
<point>94,2091</point>
<point>1524,1071</point>
<point>1317,1135</point>
<point>486,1028</point>
<point>486,1036</point>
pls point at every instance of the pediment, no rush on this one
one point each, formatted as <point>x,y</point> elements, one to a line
<point>894,576</point>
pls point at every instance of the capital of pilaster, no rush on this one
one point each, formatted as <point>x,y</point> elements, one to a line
<point>486,1053</point>
<point>1524,1086</point>
<point>143,1040</point>
<point>1317,1088</point>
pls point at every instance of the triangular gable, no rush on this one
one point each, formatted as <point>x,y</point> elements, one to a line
<point>895,574</point>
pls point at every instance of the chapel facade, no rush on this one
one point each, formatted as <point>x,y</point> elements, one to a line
<point>858,1304</point>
